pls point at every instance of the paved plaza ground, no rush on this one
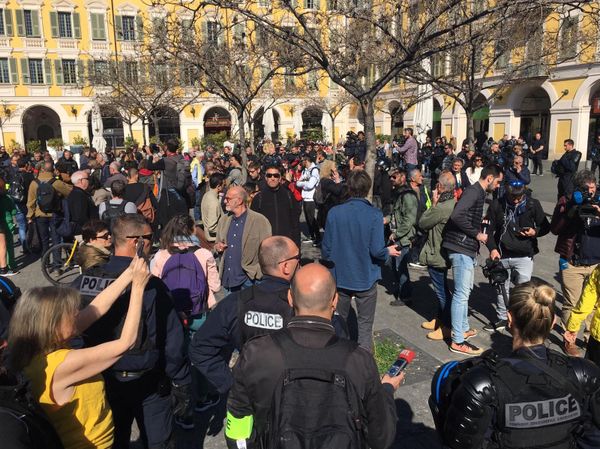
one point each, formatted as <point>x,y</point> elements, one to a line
<point>415,426</point>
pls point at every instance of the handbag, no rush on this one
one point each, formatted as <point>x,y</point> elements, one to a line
<point>33,238</point>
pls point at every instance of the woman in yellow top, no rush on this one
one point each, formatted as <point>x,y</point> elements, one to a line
<point>67,382</point>
<point>588,302</point>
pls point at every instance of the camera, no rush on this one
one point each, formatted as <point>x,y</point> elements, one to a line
<point>585,202</point>
<point>495,272</point>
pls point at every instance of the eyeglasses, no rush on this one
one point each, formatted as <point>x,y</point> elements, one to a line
<point>296,257</point>
<point>478,160</point>
<point>105,236</point>
<point>516,183</point>
<point>273,175</point>
<point>145,237</point>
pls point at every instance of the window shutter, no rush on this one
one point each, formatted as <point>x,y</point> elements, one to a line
<point>80,72</point>
<point>139,27</point>
<point>20,22</point>
<point>58,72</point>
<point>54,24</point>
<point>8,22</point>
<point>14,74</point>
<point>47,72</point>
<point>239,32</point>
<point>95,27</point>
<point>35,24</point>
<point>25,70</point>
<point>119,27</point>
<point>204,31</point>
<point>76,26</point>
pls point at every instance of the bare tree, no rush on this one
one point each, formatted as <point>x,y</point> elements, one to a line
<point>332,105</point>
<point>142,85</point>
<point>363,44</point>
<point>232,58</point>
<point>526,46</point>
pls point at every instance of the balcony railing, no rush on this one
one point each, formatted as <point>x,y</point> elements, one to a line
<point>70,44</point>
<point>99,46</point>
<point>4,42</point>
<point>34,42</point>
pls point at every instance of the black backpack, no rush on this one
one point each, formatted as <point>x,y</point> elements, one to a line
<point>17,188</point>
<point>315,405</point>
<point>47,198</point>
<point>23,424</point>
<point>113,211</point>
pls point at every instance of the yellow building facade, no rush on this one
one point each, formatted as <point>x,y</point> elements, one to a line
<point>48,48</point>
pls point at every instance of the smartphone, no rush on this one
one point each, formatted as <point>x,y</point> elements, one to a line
<point>404,358</point>
<point>139,247</point>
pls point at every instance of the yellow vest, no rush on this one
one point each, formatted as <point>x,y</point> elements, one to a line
<point>85,422</point>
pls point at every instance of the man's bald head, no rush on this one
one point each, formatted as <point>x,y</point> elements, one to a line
<point>313,291</point>
<point>273,252</point>
<point>238,192</point>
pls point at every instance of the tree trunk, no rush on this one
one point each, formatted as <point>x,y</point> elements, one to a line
<point>242,131</point>
<point>470,129</point>
<point>130,126</point>
<point>143,131</point>
<point>368,109</point>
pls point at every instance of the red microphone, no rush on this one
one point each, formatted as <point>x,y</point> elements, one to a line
<point>404,358</point>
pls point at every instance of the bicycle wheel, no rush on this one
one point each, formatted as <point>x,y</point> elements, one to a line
<point>58,266</point>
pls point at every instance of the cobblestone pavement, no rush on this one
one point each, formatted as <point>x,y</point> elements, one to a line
<point>415,426</point>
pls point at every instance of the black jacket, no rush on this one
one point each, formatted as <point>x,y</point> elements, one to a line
<point>281,209</point>
<point>67,166</point>
<point>506,223</point>
<point>81,208</point>
<point>212,345</point>
<point>162,338</point>
<point>465,222</point>
<point>261,363</point>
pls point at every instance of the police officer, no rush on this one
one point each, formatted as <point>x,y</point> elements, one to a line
<point>534,398</point>
<point>308,344</point>
<point>256,310</point>
<point>140,385</point>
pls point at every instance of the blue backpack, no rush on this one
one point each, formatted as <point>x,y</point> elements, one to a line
<point>187,282</point>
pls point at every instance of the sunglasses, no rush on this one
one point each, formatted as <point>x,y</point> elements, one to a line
<point>105,236</point>
<point>296,257</point>
<point>145,237</point>
<point>273,175</point>
<point>516,183</point>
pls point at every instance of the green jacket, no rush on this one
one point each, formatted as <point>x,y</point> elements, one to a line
<point>405,213</point>
<point>433,221</point>
<point>8,211</point>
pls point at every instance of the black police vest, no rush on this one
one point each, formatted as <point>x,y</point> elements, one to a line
<point>541,408</point>
<point>261,312</point>
<point>110,326</point>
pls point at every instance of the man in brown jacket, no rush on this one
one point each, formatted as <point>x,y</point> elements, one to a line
<point>46,221</point>
<point>239,234</point>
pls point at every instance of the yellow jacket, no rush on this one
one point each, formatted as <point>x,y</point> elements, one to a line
<point>588,301</point>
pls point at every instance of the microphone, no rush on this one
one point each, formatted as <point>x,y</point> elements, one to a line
<point>404,358</point>
<point>577,197</point>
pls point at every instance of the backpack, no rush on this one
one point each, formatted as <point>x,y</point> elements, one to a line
<point>113,211</point>
<point>66,228</point>
<point>315,404</point>
<point>185,278</point>
<point>144,205</point>
<point>23,423</point>
<point>318,196</point>
<point>17,188</point>
<point>184,175</point>
<point>47,198</point>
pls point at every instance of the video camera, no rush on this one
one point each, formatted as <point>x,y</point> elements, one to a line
<point>495,272</point>
<point>585,202</point>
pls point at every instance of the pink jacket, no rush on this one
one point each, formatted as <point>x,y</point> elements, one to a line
<point>208,263</point>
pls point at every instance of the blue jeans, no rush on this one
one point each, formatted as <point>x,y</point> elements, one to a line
<point>439,279</point>
<point>463,271</point>
<point>523,268</point>
<point>22,224</point>
<point>197,208</point>
<point>404,284</point>
<point>47,230</point>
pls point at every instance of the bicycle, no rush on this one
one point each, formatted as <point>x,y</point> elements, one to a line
<point>59,265</point>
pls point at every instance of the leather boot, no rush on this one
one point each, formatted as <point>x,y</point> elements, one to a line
<point>431,325</point>
<point>441,333</point>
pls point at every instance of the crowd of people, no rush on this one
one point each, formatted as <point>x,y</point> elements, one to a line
<point>165,232</point>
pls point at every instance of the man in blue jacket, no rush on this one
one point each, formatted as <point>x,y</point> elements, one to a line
<point>354,242</point>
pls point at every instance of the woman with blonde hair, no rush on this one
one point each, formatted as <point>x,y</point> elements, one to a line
<point>535,397</point>
<point>67,382</point>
